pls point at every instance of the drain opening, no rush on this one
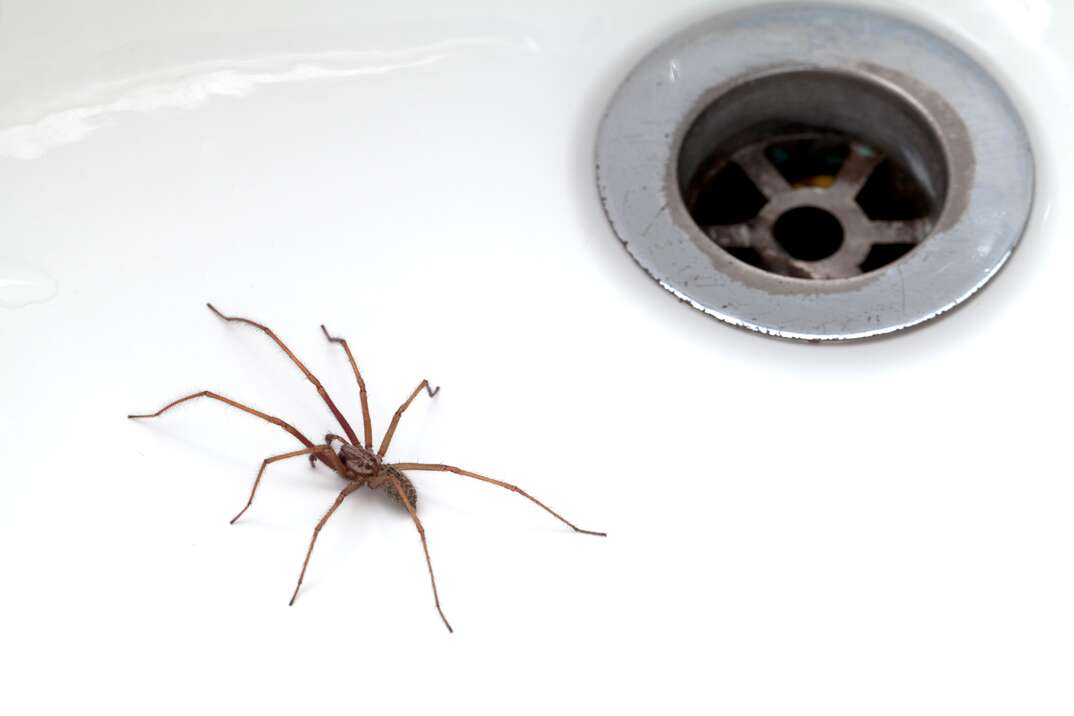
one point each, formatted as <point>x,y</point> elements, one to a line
<point>813,174</point>
<point>808,233</point>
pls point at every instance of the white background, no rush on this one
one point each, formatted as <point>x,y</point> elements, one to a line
<point>883,528</point>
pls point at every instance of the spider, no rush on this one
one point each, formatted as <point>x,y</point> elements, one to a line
<point>355,460</point>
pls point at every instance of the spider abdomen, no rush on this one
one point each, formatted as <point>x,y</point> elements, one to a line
<point>404,482</point>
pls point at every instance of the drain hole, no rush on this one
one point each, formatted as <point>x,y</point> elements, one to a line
<point>726,197</point>
<point>808,233</point>
<point>892,194</point>
<point>883,254</point>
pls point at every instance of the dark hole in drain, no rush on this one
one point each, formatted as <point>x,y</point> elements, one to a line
<point>808,233</point>
<point>726,197</point>
<point>892,194</point>
<point>880,255</point>
<point>747,255</point>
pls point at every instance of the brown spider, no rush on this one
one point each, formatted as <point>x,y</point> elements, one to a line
<point>355,462</point>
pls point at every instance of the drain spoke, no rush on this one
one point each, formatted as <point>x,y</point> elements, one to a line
<point>778,261</point>
<point>857,169</point>
<point>911,231</point>
<point>801,269</point>
<point>733,236</point>
<point>767,178</point>
<point>842,265</point>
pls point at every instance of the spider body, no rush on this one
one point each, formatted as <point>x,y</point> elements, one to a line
<point>355,461</point>
<point>364,467</point>
<point>362,462</point>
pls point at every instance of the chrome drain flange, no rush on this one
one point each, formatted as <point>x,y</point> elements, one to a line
<point>815,172</point>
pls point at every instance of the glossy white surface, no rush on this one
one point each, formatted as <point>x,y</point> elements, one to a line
<point>878,528</point>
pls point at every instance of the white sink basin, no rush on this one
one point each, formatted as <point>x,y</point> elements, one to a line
<point>883,527</point>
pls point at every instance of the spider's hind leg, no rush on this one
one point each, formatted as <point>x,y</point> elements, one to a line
<point>506,485</point>
<point>401,493</point>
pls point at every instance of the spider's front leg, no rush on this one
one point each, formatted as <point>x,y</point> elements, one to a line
<point>299,364</point>
<point>399,413</point>
<point>363,397</point>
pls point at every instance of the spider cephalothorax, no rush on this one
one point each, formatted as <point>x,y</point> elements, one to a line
<point>355,461</point>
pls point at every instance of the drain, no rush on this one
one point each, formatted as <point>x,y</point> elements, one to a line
<point>815,172</point>
<point>785,204</point>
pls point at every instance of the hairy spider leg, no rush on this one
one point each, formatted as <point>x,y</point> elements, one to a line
<point>399,413</point>
<point>424,545</point>
<point>235,404</point>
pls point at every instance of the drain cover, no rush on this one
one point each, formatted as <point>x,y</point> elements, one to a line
<point>815,172</point>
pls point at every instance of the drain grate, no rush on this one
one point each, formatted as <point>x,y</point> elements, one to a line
<point>811,205</point>
<point>814,171</point>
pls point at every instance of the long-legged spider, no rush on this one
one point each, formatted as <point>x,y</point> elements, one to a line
<point>355,462</point>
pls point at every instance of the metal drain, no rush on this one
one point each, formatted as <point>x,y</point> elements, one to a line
<point>815,172</point>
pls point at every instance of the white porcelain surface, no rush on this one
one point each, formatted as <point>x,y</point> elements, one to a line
<point>877,528</point>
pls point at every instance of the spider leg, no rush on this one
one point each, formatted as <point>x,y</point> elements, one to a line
<point>367,425</point>
<point>317,530</point>
<point>228,401</point>
<point>424,545</point>
<point>404,466</point>
<point>399,413</point>
<point>321,450</point>
<point>294,359</point>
